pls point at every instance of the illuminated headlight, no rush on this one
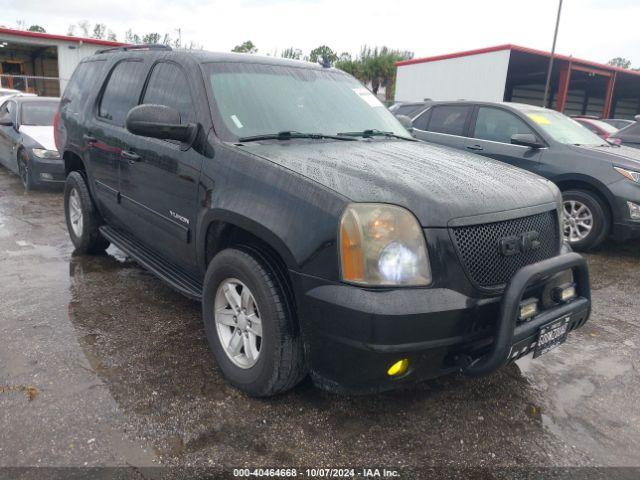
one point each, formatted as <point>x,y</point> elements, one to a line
<point>382,245</point>
<point>634,210</point>
<point>42,153</point>
<point>630,174</point>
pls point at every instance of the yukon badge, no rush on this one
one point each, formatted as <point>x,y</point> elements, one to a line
<point>179,217</point>
<point>523,243</point>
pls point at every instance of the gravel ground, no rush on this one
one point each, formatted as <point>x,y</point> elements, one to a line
<point>101,364</point>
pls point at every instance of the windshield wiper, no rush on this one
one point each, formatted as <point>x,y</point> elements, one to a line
<point>289,134</point>
<point>376,133</point>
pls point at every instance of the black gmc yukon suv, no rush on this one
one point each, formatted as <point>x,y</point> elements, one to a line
<point>320,237</point>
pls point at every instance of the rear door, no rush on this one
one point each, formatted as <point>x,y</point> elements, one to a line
<point>490,135</point>
<point>444,124</point>
<point>159,178</point>
<point>107,138</point>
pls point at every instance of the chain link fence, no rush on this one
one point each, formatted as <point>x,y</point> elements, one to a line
<point>42,86</point>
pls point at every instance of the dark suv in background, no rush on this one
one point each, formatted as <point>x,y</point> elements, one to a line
<point>600,183</point>
<point>318,234</point>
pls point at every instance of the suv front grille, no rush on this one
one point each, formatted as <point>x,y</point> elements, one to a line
<point>481,254</point>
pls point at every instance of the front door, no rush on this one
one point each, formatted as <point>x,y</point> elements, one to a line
<point>159,178</point>
<point>9,136</point>
<point>491,136</point>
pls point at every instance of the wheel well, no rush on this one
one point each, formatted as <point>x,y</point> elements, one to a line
<point>578,185</point>
<point>72,162</point>
<point>222,235</point>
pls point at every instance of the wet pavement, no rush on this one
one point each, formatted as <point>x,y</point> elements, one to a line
<point>103,364</point>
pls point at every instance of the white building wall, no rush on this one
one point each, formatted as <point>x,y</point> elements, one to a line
<point>479,77</point>
<point>69,55</point>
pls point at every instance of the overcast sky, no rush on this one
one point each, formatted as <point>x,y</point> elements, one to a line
<point>592,29</point>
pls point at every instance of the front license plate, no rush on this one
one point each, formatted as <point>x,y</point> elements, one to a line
<point>550,336</point>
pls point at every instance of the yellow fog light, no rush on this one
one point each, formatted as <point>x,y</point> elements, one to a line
<point>398,368</point>
<point>564,293</point>
<point>528,308</point>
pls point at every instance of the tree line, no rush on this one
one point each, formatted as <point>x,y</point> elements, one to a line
<point>375,66</point>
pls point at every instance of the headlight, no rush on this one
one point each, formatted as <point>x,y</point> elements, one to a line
<point>42,153</point>
<point>630,174</point>
<point>382,245</point>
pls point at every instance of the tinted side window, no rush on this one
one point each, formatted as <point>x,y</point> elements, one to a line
<point>82,82</point>
<point>449,119</point>
<point>498,125</point>
<point>422,121</point>
<point>122,91</point>
<point>168,86</point>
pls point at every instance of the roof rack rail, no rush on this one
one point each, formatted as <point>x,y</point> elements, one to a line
<point>142,46</point>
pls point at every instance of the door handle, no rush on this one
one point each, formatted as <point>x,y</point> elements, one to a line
<point>130,156</point>
<point>89,138</point>
<point>475,148</point>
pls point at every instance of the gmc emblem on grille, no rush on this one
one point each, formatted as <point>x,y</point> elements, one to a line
<point>525,242</point>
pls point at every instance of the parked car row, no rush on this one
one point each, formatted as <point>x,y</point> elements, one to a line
<point>600,182</point>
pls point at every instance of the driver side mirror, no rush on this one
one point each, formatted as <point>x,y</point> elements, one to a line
<point>159,121</point>
<point>526,140</point>
<point>405,122</point>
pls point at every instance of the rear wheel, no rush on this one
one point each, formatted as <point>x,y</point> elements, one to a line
<point>83,219</point>
<point>585,220</point>
<point>250,324</point>
<point>24,170</point>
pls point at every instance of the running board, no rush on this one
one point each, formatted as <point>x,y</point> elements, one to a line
<point>166,271</point>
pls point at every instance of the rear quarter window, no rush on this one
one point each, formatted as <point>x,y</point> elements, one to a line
<point>82,83</point>
<point>122,91</point>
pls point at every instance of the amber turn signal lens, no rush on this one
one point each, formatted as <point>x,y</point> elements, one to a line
<point>351,251</point>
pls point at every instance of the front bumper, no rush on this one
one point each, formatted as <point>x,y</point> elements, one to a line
<point>47,171</point>
<point>354,335</point>
<point>624,227</point>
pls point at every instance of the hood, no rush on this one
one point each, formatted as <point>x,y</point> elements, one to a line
<point>436,183</point>
<point>626,157</point>
<point>40,134</point>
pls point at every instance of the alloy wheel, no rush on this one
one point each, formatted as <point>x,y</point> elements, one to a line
<point>238,322</point>
<point>578,221</point>
<point>75,213</point>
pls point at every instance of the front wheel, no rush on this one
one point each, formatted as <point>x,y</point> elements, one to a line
<point>250,325</point>
<point>83,219</point>
<point>585,220</point>
<point>24,171</point>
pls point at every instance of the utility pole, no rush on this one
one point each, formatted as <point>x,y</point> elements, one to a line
<point>553,51</point>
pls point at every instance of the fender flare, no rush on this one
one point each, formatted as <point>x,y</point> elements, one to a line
<point>241,221</point>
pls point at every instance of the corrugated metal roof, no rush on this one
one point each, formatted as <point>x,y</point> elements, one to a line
<point>518,48</point>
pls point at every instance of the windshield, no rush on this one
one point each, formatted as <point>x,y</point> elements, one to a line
<point>38,113</point>
<point>257,99</point>
<point>603,126</point>
<point>563,129</point>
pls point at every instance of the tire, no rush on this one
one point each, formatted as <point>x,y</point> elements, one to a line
<point>83,230</point>
<point>591,207</point>
<point>279,363</point>
<point>24,172</point>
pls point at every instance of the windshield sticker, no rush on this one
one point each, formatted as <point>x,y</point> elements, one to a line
<point>236,121</point>
<point>368,97</point>
<point>539,119</point>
